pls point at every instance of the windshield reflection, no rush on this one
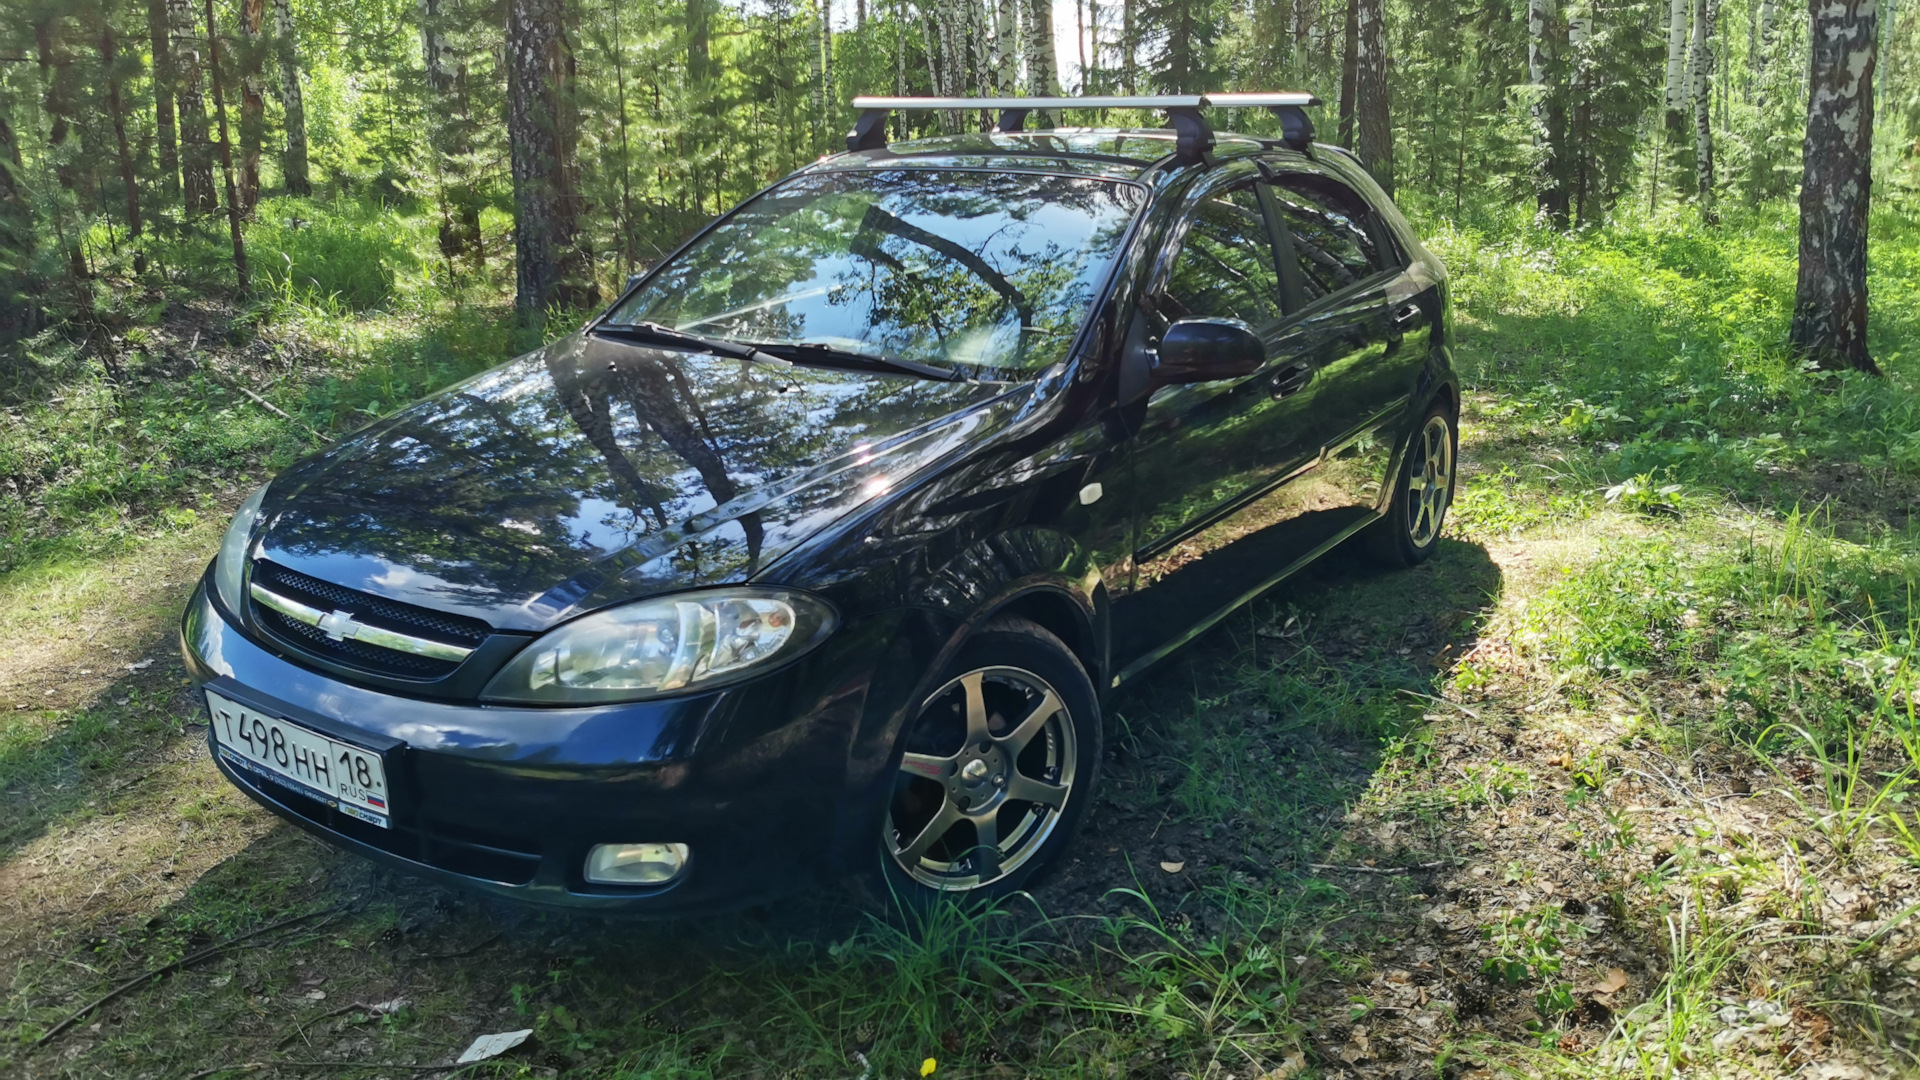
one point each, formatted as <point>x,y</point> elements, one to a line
<point>990,270</point>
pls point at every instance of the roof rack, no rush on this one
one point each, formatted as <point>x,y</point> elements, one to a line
<point>1193,136</point>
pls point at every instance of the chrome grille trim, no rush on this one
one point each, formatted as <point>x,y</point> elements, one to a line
<point>343,626</point>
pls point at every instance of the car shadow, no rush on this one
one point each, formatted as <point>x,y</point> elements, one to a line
<point>1229,773</point>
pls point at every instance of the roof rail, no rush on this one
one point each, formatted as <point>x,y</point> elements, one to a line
<point>1193,136</point>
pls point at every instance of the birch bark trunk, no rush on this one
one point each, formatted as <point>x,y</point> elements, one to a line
<point>1830,300</point>
<point>292,99</point>
<point>1042,80</point>
<point>1006,57</point>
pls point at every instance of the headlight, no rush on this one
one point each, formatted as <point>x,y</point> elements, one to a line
<point>653,648</point>
<point>230,566</point>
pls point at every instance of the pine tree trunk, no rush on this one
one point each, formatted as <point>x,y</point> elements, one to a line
<point>447,136</point>
<point>827,95</point>
<point>226,152</point>
<point>1830,302</point>
<point>196,148</point>
<point>817,84</point>
<point>292,100</point>
<point>1372,103</point>
<point>160,42</point>
<point>1349,70</point>
<point>1705,16</point>
<point>548,268</point>
<point>117,113</point>
<point>253,100</point>
<point>1129,46</point>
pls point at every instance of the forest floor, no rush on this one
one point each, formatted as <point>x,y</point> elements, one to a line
<point>1618,783</point>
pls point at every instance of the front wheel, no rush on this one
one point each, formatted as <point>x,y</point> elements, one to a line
<point>1422,493</point>
<point>998,767</point>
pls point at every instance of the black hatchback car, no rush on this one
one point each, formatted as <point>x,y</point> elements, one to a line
<point>819,550</point>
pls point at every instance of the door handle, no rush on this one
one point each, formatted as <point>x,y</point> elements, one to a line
<point>1291,379</point>
<point>1406,316</point>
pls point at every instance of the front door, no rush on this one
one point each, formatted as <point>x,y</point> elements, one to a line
<point>1210,458</point>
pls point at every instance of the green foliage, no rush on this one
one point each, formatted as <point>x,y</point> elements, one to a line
<point>345,252</point>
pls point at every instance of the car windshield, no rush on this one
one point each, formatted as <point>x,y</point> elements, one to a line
<point>989,272</point>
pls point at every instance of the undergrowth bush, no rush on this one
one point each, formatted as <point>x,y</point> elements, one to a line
<point>348,252</point>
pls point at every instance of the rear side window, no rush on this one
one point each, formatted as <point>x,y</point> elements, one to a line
<point>1225,268</point>
<point>1330,236</point>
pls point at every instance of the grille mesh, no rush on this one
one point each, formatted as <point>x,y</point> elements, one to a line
<point>373,610</point>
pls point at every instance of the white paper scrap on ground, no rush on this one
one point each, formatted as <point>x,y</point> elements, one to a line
<point>487,1046</point>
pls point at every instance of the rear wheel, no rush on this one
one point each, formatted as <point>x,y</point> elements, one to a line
<point>1422,493</point>
<point>998,767</point>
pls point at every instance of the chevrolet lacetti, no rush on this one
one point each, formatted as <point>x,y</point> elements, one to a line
<point>815,554</point>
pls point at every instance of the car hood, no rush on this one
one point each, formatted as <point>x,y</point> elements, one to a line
<point>596,470</point>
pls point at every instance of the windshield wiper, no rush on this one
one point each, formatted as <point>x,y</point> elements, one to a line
<point>663,335</point>
<point>808,352</point>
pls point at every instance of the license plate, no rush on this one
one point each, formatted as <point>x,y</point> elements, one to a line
<point>346,777</point>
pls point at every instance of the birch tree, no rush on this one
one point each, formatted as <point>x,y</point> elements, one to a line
<point>1042,80</point>
<point>1830,299</point>
<point>293,164</point>
<point>253,99</point>
<point>196,147</point>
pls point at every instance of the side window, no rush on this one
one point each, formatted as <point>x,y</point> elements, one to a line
<point>1330,236</point>
<point>1225,268</point>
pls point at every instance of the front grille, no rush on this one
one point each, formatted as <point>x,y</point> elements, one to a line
<point>459,849</point>
<point>367,608</point>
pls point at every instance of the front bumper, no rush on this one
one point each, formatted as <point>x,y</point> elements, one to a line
<point>508,800</point>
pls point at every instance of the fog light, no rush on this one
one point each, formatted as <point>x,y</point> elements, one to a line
<point>635,864</point>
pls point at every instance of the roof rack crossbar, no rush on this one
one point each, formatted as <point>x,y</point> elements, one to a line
<point>1193,135</point>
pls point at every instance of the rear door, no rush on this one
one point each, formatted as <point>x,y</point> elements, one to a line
<point>1367,339</point>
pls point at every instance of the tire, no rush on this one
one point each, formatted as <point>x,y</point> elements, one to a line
<point>1009,739</point>
<point>1410,531</point>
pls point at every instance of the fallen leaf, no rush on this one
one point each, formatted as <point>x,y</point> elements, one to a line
<point>388,1008</point>
<point>1173,867</point>
<point>1614,982</point>
<point>316,995</point>
<point>491,1046</point>
<point>1293,1065</point>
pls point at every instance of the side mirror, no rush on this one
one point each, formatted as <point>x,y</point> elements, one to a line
<point>632,280</point>
<point>1203,350</point>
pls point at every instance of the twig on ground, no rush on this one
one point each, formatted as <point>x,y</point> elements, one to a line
<point>251,1066</point>
<point>274,409</point>
<point>1441,701</point>
<point>1383,869</point>
<point>370,1065</point>
<point>462,953</point>
<point>301,1029</point>
<point>183,962</point>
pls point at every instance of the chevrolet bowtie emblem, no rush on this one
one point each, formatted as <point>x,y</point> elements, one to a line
<point>340,625</point>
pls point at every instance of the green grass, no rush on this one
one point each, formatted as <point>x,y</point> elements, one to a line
<point>1678,560</point>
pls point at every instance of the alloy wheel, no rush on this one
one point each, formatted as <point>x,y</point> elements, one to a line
<point>989,768</point>
<point>1430,481</point>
